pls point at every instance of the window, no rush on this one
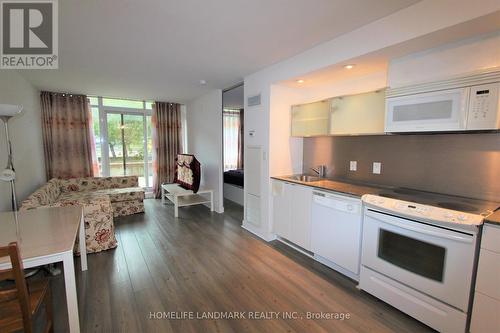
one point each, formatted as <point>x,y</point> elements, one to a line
<point>232,127</point>
<point>122,130</point>
<point>123,103</point>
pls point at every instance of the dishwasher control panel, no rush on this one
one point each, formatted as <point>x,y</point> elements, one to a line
<point>337,202</point>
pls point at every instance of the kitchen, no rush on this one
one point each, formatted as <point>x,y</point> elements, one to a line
<point>394,179</point>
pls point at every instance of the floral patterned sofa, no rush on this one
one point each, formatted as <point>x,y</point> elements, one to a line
<point>101,199</point>
<point>124,192</point>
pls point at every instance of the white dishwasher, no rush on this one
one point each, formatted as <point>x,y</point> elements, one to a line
<point>336,232</point>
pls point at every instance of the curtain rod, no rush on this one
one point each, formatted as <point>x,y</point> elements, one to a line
<point>62,94</point>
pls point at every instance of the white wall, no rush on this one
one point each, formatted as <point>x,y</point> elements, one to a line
<point>392,30</point>
<point>285,151</point>
<point>452,59</point>
<point>204,132</point>
<point>26,137</point>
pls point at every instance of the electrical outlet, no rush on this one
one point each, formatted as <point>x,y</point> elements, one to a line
<point>377,168</point>
<point>353,165</point>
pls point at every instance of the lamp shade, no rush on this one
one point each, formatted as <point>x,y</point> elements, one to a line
<point>10,110</point>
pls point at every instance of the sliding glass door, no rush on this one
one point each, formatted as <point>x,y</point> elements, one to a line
<point>123,137</point>
<point>126,145</point>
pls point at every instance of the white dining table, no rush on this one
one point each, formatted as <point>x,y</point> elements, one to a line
<point>47,236</point>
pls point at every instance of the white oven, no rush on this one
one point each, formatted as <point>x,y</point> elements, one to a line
<point>419,258</point>
<point>461,109</point>
<point>435,261</point>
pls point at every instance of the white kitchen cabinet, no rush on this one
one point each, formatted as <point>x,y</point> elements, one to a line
<point>358,114</point>
<point>301,216</point>
<point>311,119</point>
<point>282,198</point>
<point>486,314</point>
<point>292,212</point>
<point>325,223</point>
<point>486,308</point>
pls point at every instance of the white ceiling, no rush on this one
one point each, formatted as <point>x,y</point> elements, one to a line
<point>378,61</point>
<point>160,49</point>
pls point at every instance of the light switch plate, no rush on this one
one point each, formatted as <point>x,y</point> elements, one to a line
<point>353,165</point>
<point>377,168</point>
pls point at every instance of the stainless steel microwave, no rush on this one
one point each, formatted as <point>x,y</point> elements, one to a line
<point>472,108</point>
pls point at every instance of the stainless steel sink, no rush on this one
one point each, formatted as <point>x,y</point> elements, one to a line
<point>305,178</point>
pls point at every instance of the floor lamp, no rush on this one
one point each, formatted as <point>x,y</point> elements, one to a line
<point>8,111</point>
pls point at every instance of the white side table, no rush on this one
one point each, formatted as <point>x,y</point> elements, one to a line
<point>181,197</point>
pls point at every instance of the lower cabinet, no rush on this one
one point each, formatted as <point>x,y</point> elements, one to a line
<point>282,214</point>
<point>324,223</point>
<point>486,308</point>
<point>292,212</point>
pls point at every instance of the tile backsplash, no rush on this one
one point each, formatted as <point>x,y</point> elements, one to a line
<point>459,164</point>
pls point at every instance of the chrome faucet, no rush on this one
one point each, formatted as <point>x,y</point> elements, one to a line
<point>321,171</point>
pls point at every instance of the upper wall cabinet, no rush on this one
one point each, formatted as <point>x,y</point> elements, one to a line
<point>360,114</point>
<point>311,119</point>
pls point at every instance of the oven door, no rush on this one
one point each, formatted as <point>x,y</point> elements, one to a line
<point>438,111</point>
<point>435,261</point>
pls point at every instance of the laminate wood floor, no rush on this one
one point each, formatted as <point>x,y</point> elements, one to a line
<point>206,264</point>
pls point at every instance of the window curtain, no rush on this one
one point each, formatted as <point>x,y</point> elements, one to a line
<point>166,132</point>
<point>68,138</point>
<point>232,128</point>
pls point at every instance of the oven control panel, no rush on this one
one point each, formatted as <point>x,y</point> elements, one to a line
<point>420,211</point>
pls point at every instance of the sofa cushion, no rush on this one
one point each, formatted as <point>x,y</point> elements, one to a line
<point>98,220</point>
<point>97,183</point>
<point>115,194</point>
<point>123,194</point>
<point>45,195</point>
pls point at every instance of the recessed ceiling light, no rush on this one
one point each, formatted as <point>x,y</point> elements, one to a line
<point>350,66</point>
<point>203,82</point>
<point>300,81</point>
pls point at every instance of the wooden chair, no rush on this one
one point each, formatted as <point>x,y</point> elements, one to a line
<point>18,304</point>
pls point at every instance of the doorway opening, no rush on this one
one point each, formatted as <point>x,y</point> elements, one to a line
<point>233,116</point>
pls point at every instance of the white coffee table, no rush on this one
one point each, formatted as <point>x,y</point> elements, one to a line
<point>181,197</point>
<point>46,236</point>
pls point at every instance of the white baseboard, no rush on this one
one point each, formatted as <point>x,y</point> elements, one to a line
<point>336,267</point>
<point>295,247</point>
<point>268,237</point>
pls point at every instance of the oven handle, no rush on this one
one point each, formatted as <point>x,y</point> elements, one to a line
<point>392,221</point>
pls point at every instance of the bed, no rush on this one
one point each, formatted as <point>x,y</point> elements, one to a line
<point>233,185</point>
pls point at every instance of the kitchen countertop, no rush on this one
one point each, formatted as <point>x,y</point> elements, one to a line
<point>357,190</point>
<point>493,218</point>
